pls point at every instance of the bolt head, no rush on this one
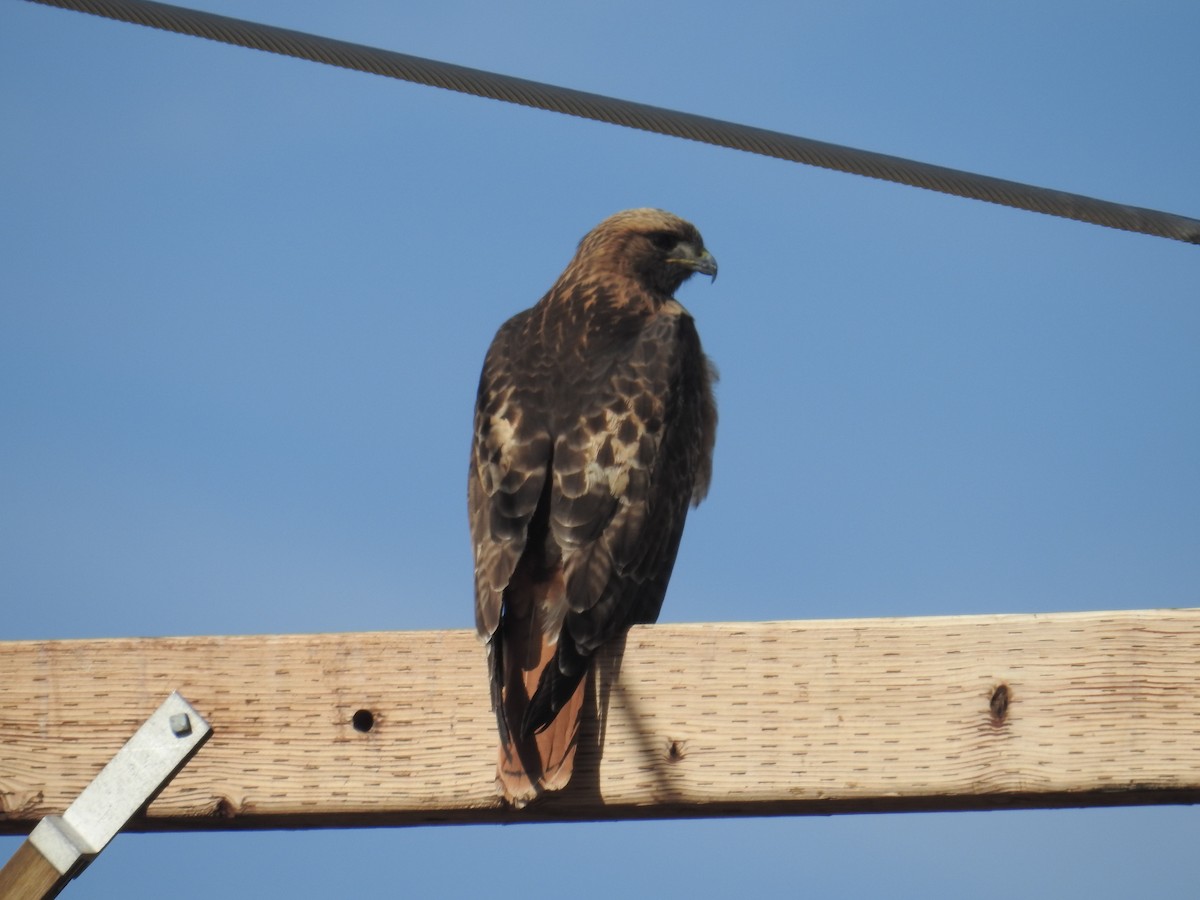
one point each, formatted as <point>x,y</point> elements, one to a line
<point>181,724</point>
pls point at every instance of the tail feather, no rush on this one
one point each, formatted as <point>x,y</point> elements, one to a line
<point>539,732</point>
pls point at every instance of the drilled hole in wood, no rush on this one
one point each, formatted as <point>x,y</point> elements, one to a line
<point>363,720</point>
<point>999,703</point>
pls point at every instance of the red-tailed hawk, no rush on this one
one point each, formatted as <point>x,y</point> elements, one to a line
<point>594,428</point>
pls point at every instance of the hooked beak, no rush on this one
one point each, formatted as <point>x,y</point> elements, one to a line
<point>704,263</point>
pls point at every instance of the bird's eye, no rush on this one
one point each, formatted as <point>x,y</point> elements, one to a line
<point>663,240</point>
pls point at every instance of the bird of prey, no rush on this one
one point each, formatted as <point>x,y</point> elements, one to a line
<point>594,430</point>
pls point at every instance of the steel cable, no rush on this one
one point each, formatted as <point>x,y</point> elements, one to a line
<point>640,116</point>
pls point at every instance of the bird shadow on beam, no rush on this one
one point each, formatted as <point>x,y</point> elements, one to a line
<point>651,752</point>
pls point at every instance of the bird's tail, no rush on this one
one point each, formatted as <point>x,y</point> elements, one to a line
<point>540,710</point>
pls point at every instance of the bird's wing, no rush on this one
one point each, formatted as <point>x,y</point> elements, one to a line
<point>510,456</point>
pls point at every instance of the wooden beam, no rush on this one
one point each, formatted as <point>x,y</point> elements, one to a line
<point>963,712</point>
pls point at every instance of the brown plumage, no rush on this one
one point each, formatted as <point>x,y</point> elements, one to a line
<point>594,428</point>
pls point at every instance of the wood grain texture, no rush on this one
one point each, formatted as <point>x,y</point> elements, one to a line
<point>29,876</point>
<point>964,712</point>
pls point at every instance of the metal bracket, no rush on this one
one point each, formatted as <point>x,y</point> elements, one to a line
<point>131,779</point>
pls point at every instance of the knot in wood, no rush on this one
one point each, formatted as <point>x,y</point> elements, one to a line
<point>1001,695</point>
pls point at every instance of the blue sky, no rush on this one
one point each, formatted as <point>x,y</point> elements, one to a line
<point>246,299</point>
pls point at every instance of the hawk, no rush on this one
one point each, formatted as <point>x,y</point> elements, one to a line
<point>594,430</point>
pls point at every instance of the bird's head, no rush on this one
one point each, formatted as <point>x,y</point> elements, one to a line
<point>656,248</point>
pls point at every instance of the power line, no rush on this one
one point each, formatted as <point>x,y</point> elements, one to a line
<point>638,115</point>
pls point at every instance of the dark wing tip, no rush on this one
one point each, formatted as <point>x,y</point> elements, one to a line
<point>558,682</point>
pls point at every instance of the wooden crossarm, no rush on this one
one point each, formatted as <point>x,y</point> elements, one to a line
<point>961,712</point>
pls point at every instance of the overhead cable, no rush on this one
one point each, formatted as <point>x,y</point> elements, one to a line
<point>638,115</point>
